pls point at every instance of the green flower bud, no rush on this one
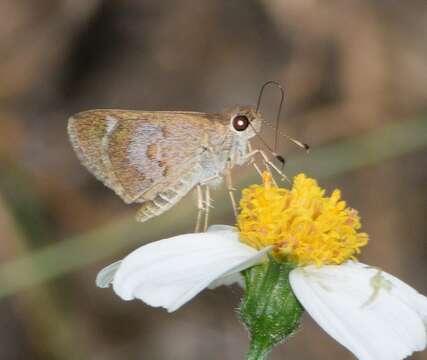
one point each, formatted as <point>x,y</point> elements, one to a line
<point>269,308</point>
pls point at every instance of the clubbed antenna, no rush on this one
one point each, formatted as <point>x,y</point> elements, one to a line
<point>300,144</point>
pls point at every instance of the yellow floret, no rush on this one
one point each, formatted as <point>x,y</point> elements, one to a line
<point>303,225</point>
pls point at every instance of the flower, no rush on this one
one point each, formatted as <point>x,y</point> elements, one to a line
<point>304,226</point>
<point>373,314</point>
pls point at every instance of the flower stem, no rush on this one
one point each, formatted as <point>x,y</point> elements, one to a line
<point>257,351</point>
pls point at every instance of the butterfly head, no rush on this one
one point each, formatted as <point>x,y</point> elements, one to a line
<point>245,122</point>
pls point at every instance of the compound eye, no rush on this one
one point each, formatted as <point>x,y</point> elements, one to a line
<point>240,123</point>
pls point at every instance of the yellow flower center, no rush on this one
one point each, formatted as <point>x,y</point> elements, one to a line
<point>303,225</point>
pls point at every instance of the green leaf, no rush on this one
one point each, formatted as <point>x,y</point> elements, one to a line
<point>269,308</point>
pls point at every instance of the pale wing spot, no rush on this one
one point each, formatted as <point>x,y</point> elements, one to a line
<point>111,123</point>
<point>143,152</point>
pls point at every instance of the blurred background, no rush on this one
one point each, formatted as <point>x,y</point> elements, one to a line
<point>355,74</point>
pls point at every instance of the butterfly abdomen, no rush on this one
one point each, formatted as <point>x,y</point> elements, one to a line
<point>149,210</point>
<point>164,200</point>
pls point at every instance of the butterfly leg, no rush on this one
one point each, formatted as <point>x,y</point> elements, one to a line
<point>268,162</point>
<point>253,163</point>
<point>257,169</point>
<point>230,189</point>
<point>272,177</point>
<point>207,207</point>
<point>200,208</point>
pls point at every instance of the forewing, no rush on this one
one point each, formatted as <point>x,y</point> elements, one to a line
<point>139,153</point>
<point>89,132</point>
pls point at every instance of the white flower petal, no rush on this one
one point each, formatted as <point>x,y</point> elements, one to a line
<point>225,230</point>
<point>228,280</point>
<point>409,295</point>
<point>170,272</point>
<point>420,304</point>
<point>106,275</point>
<point>373,314</point>
<point>233,275</point>
<point>216,228</point>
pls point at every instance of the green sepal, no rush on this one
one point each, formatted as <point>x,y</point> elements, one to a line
<point>269,308</point>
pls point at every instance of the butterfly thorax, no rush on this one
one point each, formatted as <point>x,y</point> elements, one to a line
<point>219,156</point>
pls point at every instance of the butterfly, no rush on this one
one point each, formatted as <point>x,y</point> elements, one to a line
<point>156,157</point>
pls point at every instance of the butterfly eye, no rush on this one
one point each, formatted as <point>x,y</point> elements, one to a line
<point>240,123</point>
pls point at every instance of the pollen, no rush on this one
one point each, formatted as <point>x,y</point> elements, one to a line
<point>302,224</point>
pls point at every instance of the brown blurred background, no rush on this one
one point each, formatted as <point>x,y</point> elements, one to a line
<point>355,74</point>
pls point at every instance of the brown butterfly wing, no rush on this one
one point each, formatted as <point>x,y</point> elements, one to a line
<point>88,132</point>
<point>138,153</point>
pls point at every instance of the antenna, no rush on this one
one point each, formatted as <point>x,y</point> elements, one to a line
<point>282,99</point>
<point>300,144</point>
